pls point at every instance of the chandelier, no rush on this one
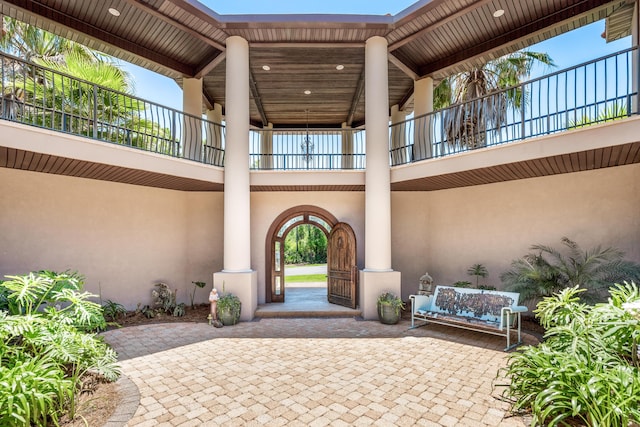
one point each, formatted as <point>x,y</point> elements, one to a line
<point>307,146</point>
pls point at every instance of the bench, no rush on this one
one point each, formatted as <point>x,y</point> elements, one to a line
<point>492,312</point>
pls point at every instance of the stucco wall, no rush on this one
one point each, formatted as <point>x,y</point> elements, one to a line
<point>445,232</point>
<point>123,238</point>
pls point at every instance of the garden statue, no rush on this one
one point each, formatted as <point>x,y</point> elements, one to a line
<point>426,285</point>
<point>213,299</point>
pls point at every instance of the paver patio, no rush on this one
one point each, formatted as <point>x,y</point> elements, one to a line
<point>316,372</point>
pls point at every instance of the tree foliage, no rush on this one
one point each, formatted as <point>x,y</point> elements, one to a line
<point>465,125</point>
<point>306,244</point>
<point>546,271</point>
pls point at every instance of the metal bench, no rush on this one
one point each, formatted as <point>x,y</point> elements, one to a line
<point>491,312</point>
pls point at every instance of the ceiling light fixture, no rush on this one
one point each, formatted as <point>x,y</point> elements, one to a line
<point>114,11</point>
<point>266,67</point>
<point>307,92</point>
<point>339,67</point>
<point>498,13</point>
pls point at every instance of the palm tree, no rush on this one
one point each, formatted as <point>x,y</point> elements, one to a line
<point>548,271</point>
<point>28,42</point>
<point>479,271</point>
<point>80,94</point>
<point>466,125</point>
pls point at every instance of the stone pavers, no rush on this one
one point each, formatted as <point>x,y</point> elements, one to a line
<point>312,372</point>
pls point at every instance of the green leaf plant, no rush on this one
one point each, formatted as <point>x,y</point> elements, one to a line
<point>586,369</point>
<point>47,346</point>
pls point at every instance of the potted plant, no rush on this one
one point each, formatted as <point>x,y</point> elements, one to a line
<point>228,309</point>
<point>389,308</point>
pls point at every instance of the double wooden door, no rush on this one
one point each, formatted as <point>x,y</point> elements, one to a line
<point>342,272</point>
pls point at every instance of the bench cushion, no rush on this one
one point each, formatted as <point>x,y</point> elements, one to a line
<point>472,303</point>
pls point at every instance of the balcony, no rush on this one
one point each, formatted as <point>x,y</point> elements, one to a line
<point>598,91</point>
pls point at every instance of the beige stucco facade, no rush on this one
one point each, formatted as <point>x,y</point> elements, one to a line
<point>124,238</point>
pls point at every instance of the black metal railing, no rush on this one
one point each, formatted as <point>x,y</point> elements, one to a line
<point>39,96</point>
<point>307,149</point>
<point>597,91</point>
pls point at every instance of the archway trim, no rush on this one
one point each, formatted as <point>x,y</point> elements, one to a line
<point>277,226</point>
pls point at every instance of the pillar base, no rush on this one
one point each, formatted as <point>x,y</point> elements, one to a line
<point>372,284</point>
<point>244,285</point>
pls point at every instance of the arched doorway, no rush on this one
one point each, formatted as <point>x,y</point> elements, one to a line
<point>341,254</point>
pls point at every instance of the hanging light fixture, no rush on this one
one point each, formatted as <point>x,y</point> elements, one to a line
<point>306,145</point>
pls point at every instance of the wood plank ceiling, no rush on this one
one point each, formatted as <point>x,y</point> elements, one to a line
<point>183,38</point>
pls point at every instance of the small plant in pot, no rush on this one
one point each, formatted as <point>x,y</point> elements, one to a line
<point>389,308</point>
<point>228,309</point>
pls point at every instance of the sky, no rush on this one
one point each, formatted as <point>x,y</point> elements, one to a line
<point>570,49</point>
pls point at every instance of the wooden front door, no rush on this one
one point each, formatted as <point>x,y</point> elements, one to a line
<point>342,272</point>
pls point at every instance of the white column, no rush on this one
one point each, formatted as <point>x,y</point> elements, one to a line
<point>214,134</point>
<point>377,276</point>
<point>377,176</point>
<point>266,147</point>
<point>398,132</point>
<point>422,104</point>
<point>237,276</point>
<point>192,126</point>
<point>347,147</point>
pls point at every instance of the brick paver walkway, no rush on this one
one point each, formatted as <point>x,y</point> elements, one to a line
<point>315,372</point>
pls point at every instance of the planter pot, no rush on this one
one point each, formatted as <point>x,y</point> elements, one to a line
<point>229,316</point>
<point>388,314</point>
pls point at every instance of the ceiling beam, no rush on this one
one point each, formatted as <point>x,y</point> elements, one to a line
<point>169,20</point>
<point>319,45</point>
<point>406,99</point>
<point>209,66</point>
<point>403,67</point>
<point>356,98</point>
<point>98,35</point>
<point>256,98</point>
<point>199,11</point>
<point>437,24</point>
<point>543,23</point>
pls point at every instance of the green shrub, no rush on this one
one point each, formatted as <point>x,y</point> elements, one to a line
<point>112,311</point>
<point>33,390</point>
<point>585,369</point>
<point>196,285</point>
<point>547,270</point>
<point>462,284</point>
<point>45,347</point>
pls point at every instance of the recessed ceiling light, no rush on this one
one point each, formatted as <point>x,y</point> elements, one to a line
<point>266,67</point>
<point>498,13</point>
<point>307,92</point>
<point>339,67</point>
<point>114,11</point>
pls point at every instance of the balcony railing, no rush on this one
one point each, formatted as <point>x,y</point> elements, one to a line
<point>600,90</point>
<point>307,149</point>
<point>593,92</point>
<point>38,96</point>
